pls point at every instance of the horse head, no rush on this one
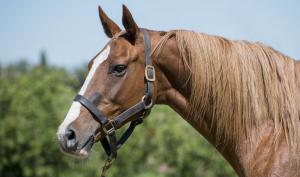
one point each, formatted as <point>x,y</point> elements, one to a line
<point>115,84</point>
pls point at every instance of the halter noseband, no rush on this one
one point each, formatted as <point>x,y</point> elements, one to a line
<point>110,143</point>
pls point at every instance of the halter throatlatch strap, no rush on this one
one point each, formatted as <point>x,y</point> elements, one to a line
<point>110,142</point>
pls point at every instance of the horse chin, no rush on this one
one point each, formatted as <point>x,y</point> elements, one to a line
<point>84,151</point>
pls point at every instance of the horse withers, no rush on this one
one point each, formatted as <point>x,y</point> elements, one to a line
<point>242,97</point>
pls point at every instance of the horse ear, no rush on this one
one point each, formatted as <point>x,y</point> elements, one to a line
<point>129,23</point>
<point>110,27</point>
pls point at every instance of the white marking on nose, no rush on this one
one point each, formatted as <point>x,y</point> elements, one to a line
<point>74,110</point>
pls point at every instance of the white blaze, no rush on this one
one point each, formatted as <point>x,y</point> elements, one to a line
<point>74,111</point>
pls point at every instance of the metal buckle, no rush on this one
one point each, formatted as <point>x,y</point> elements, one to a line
<point>150,73</point>
<point>109,128</point>
<point>145,104</point>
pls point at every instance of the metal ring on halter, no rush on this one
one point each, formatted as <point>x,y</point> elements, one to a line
<point>109,128</point>
<point>147,106</point>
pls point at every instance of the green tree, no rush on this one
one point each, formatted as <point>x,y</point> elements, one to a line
<point>43,59</point>
<point>32,106</point>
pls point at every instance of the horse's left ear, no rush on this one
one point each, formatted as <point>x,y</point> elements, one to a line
<point>129,23</point>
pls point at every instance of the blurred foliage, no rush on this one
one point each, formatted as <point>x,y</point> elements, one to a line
<point>35,99</point>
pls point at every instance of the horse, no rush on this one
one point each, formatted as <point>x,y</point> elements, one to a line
<point>243,97</point>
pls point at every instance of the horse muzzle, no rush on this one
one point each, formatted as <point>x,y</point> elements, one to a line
<point>71,144</point>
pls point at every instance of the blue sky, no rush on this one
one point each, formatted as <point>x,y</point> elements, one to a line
<point>70,31</point>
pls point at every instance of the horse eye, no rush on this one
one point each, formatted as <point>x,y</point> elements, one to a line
<point>119,70</point>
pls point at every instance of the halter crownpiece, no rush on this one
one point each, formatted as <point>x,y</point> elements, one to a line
<point>110,143</point>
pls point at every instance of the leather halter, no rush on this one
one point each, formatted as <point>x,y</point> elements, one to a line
<point>110,143</point>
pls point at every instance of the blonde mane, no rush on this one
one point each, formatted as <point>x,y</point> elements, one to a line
<point>239,85</point>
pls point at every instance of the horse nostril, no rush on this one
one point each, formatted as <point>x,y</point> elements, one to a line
<point>70,138</point>
<point>70,135</point>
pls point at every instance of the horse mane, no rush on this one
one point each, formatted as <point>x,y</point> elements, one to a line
<point>239,85</point>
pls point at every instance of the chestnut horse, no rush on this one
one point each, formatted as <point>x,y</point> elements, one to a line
<point>242,97</point>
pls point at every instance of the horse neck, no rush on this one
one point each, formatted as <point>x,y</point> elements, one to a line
<point>173,89</point>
